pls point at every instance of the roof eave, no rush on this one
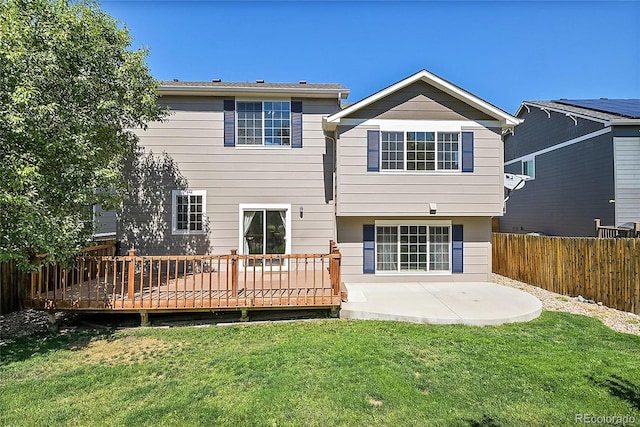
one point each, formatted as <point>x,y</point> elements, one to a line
<point>250,91</point>
<point>625,122</point>
<point>505,118</point>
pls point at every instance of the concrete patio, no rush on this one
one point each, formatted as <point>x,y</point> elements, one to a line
<point>476,303</point>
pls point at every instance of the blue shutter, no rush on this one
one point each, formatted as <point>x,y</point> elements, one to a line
<point>457,257</point>
<point>467,151</point>
<point>373,151</point>
<point>229,122</point>
<point>296,124</point>
<point>368,249</point>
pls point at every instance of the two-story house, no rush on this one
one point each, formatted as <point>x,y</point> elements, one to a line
<point>419,176</point>
<point>405,181</point>
<point>584,160</point>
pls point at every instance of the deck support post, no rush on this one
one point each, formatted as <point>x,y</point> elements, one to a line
<point>144,318</point>
<point>245,315</point>
<point>335,311</point>
<point>53,323</point>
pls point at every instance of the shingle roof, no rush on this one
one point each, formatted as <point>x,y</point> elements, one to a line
<point>251,85</point>
<point>577,110</point>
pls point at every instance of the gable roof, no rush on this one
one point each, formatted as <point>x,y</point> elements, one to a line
<point>220,88</point>
<point>506,119</point>
<point>597,115</point>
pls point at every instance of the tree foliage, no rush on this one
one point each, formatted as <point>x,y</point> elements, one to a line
<point>71,91</point>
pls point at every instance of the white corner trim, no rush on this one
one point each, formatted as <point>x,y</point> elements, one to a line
<point>559,146</point>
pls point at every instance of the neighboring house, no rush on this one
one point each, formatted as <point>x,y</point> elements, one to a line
<point>584,158</point>
<point>405,181</point>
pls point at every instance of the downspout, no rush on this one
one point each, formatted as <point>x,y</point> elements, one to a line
<point>334,175</point>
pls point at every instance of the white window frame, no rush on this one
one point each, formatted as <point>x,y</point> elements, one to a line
<point>263,146</point>
<point>399,223</point>
<point>265,207</point>
<point>436,170</point>
<point>528,159</point>
<point>174,212</point>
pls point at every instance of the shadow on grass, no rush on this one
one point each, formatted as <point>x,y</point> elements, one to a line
<point>69,337</point>
<point>621,388</point>
<point>27,347</point>
<point>485,421</point>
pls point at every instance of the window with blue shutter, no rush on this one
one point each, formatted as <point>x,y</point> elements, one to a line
<point>373,151</point>
<point>368,249</point>
<point>296,124</point>
<point>229,122</point>
<point>467,151</point>
<point>457,256</point>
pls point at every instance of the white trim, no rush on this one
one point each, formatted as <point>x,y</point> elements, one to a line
<point>265,206</point>
<point>262,146</point>
<point>400,223</point>
<point>404,160</point>
<point>436,222</point>
<point>561,145</point>
<point>420,125</point>
<point>253,91</point>
<point>532,159</point>
<point>174,208</point>
<point>506,119</point>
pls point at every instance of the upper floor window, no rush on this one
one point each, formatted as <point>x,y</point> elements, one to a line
<point>188,211</point>
<point>420,151</point>
<point>264,123</point>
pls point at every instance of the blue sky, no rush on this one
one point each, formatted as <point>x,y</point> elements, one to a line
<point>501,51</point>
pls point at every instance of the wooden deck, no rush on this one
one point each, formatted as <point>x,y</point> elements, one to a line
<point>211,282</point>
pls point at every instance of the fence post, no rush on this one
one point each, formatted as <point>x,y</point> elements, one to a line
<point>131,274</point>
<point>234,271</point>
<point>597,222</point>
<point>636,229</point>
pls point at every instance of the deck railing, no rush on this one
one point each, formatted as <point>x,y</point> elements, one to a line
<point>135,282</point>
<point>611,232</point>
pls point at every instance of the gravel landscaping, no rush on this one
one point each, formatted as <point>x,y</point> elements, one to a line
<point>615,319</point>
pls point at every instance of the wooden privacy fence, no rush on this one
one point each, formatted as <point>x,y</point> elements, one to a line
<point>189,282</point>
<point>606,270</point>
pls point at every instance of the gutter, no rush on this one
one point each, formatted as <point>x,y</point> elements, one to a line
<point>221,91</point>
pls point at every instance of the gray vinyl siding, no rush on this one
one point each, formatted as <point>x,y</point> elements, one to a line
<point>360,193</point>
<point>420,101</point>
<point>627,179</point>
<point>573,185</point>
<point>188,153</point>
<point>539,131</point>
<point>477,251</point>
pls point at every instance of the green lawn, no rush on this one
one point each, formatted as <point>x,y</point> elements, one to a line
<point>325,373</point>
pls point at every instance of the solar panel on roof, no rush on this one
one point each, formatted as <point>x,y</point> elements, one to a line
<point>623,107</point>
